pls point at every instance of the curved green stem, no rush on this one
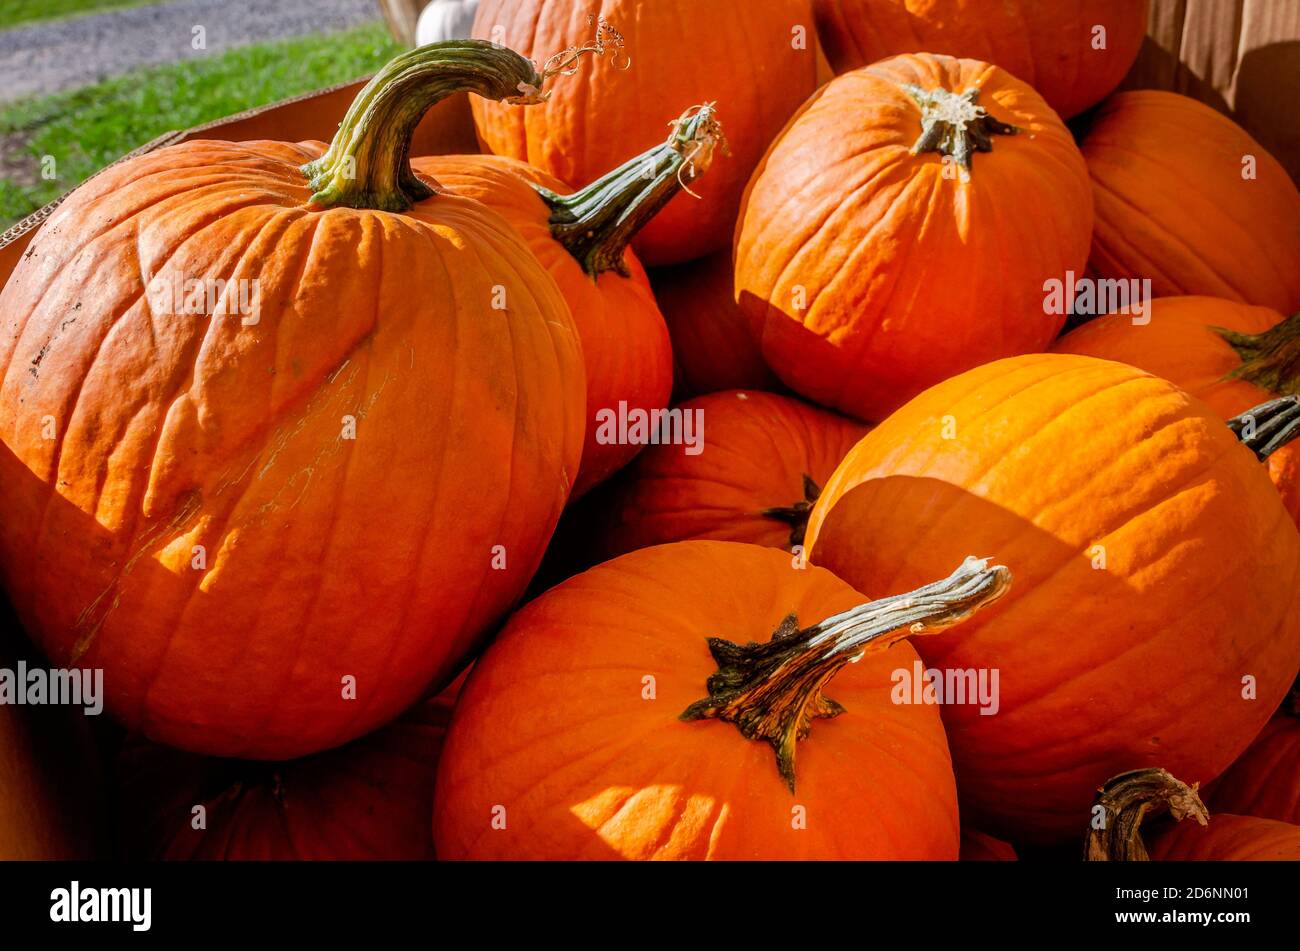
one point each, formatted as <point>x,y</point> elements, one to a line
<point>773,691</point>
<point>1270,360</point>
<point>1266,428</point>
<point>597,223</point>
<point>368,163</point>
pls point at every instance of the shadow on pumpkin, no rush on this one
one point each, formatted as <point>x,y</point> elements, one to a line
<point>1263,105</point>
<point>1094,677</point>
<point>1266,106</point>
<point>156,786</point>
<point>559,731</point>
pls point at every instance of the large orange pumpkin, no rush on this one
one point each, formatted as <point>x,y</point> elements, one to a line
<point>764,460</point>
<point>898,232</point>
<point>1229,838</point>
<point>1189,833</point>
<point>1074,54</point>
<point>756,58</point>
<point>1188,200</point>
<point>1154,619</point>
<point>1265,780</point>
<point>714,346</point>
<point>274,526</point>
<point>582,239</point>
<point>368,800</point>
<point>659,741</point>
<point>1183,339</point>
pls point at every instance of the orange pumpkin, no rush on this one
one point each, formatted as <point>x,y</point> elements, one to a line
<point>873,251</point>
<point>1074,54</point>
<point>1182,339</point>
<point>1156,568</point>
<point>568,743</point>
<point>1229,838</point>
<point>1188,200</point>
<point>1265,780</point>
<point>262,521</point>
<point>760,67</point>
<point>714,346</point>
<point>368,800</point>
<point>1188,833</point>
<point>763,462</point>
<point>582,239</point>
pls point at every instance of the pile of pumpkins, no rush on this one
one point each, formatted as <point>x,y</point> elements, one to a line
<point>824,229</point>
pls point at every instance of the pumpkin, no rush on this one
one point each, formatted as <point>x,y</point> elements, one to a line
<point>764,459</point>
<point>759,68</point>
<point>246,515</point>
<point>1156,569</point>
<point>1187,199</point>
<point>582,239</point>
<point>1231,355</point>
<point>872,251</point>
<point>714,347</point>
<point>367,800</point>
<point>1229,838</point>
<point>1074,54</point>
<point>978,846</point>
<point>659,742</point>
<point>1127,800</point>
<point>1265,780</point>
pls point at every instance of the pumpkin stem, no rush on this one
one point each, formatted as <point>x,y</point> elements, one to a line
<point>367,165</point>
<point>955,125</point>
<point>773,691</point>
<point>1270,360</point>
<point>1268,427</point>
<point>1115,834</point>
<point>796,516</point>
<point>597,223</point>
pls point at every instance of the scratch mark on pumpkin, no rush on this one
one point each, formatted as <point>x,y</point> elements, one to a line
<point>340,368</point>
<point>227,482</point>
<point>94,623</point>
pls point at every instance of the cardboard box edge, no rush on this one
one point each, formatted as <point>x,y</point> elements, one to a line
<point>33,221</point>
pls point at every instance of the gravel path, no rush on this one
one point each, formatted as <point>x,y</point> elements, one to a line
<point>47,57</point>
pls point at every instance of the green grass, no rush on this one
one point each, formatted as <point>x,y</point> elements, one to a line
<point>16,12</point>
<point>86,129</point>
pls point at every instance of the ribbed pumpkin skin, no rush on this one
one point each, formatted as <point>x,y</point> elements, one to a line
<point>1228,838</point>
<point>1102,670</point>
<point>874,273</point>
<point>326,557</point>
<point>625,343</point>
<point>368,800</point>
<point>552,726</point>
<point>1173,205</point>
<point>1047,44</point>
<point>714,346</point>
<point>757,448</point>
<point>1180,345</point>
<point>1265,780</point>
<point>738,53</point>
